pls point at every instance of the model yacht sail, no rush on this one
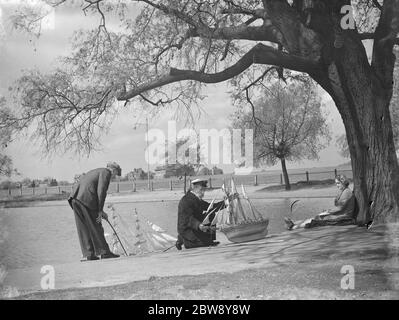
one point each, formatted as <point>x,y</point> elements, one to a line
<point>241,221</point>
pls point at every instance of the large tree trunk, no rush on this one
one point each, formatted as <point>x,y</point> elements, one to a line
<point>285,174</point>
<point>363,99</point>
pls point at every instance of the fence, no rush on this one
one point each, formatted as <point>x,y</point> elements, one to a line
<point>215,181</point>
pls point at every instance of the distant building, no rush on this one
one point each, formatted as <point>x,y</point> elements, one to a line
<point>203,171</point>
<point>173,170</point>
<point>159,172</point>
<point>136,174</point>
<point>165,171</point>
<point>216,170</point>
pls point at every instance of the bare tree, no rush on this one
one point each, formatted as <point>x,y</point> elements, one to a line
<point>174,46</point>
<point>288,125</point>
<point>6,165</point>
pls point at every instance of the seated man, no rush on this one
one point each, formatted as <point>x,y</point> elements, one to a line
<point>344,212</point>
<point>191,232</point>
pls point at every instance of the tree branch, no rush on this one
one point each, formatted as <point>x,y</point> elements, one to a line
<point>259,54</point>
<point>377,4</point>
<point>371,36</point>
<point>170,11</point>
<point>242,32</point>
<point>258,13</point>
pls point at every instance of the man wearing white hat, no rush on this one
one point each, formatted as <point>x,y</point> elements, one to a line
<point>87,202</point>
<point>191,231</point>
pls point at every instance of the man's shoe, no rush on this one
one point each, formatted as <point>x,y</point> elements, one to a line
<point>289,223</point>
<point>178,245</point>
<point>90,258</point>
<point>214,243</point>
<point>109,255</point>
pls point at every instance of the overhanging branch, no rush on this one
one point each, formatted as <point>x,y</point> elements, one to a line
<point>371,36</point>
<point>259,54</point>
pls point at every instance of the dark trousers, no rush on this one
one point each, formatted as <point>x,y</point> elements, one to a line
<point>91,233</point>
<point>198,243</point>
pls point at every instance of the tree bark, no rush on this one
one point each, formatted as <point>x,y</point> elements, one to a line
<point>285,174</point>
<point>362,99</point>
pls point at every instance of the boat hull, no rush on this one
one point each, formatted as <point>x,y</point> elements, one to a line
<point>246,231</point>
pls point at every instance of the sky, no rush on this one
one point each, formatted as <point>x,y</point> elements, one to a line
<point>124,143</point>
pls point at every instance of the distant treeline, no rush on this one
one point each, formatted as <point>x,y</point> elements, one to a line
<point>29,183</point>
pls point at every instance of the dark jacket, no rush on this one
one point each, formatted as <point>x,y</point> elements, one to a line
<point>92,188</point>
<point>189,217</point>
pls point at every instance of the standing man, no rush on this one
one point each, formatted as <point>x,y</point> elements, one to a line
<point>87,202</point>
<point>191,232</point>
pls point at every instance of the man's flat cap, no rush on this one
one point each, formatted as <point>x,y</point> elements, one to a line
<point>113,165</point>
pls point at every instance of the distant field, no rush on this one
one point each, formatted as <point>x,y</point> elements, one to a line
<point>259,178</point>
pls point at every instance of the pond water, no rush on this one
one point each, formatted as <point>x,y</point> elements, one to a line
<point>34,236</point>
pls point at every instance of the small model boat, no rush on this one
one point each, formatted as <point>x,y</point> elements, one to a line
<point>245,232</point>
<point>240,221</point>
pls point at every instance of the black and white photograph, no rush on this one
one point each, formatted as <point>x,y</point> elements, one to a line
<point>200,156</point>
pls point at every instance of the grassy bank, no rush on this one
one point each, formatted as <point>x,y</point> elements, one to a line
<point>301,185</point>
<point>26,201</point>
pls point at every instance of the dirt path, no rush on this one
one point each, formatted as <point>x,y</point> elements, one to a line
<point>294,265</point>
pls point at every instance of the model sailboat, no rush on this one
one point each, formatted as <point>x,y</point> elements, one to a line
<point>241,221</point>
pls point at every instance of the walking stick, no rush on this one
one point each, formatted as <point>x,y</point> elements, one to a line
<point>168,248</point>
<point>117,236</point>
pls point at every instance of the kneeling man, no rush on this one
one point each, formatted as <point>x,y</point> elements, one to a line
<point>191,232</point>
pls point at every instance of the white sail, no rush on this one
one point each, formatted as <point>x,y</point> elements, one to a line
<point>155,227</point>
<point>210,205</point>
<point>168,237</point>
<point>136,237</point>
<point>245,222</point>
<point>215,219</point>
